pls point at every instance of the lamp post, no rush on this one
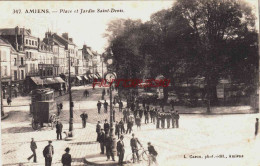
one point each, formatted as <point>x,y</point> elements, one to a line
<point>71,106</point>
<point>109,77</point>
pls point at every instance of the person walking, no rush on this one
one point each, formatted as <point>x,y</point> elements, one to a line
<point>84,117</point>
<point>99,106</point>
<point>138,121</point>
<point>120,106</point>
<point>105,106</point>
<point>106,126</point>
<point>98,129</point>
<point>125,115</point>
<point>158,119</point>
<point>109,144</point>
<point>66,158</point>
<point>33,147</point>
<point>134,147</point>
<point>256,127</point>
<point>48,153</point>
<point>103,94</point>
<point>120,150</point>
<point>168,119</point>
<point>151,114</point>
<point>122,126</point>
<point>177,117</point>
<point>153,154</point>
<point>58,109</point>
<point>172,104</point>
<point>117,129</point>
<point>59,127</point>
<point>9,100</point>
<point>163,120</point>
<point>173,118</point>
<point>146,116</point>
<point>129,127</point>
<point>141,112</point>
<point>101,140</point>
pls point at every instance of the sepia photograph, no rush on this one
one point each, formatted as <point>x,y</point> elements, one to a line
<point>129,83</point>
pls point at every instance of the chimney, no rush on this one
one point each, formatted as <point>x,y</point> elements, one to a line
<point>65,35</point>
<point>70,39</point>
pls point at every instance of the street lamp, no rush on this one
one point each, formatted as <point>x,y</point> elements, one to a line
<point>70,134</point>
<point>110,77</point>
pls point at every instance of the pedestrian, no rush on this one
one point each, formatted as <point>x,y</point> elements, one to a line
<point>117,129</point>
<point>122,126</point>
<point>172,104</point>
<point>163,120</point>
<point>134,147</point>
<point>101,140</point>
<point>103,94</point>
<point>141,112</point>
<point>106,126</point>
<point>98,129</point>
<point>153,154</point>
<point>129,127</point>
<point>99,106</point>
<point>9,100</point>
<point>138,122</point>
<point>120,106</point>
<point>120,150</point>
<point>135,113</point>
<point>158,119</point>
<point>60,92</point>
<point>61,106</point>
<point>84,117</point>
<point>256,127</point>
<point>125,115</point>
<point>168,119</point>
<point>105,106</point>
<point>58,109</point>
<point>33,147</point>
<point>173,118</point>
<point>109,146</point>
<point>151,114</point>
<point>177,117</point>
<point>59,127</point>
<point>48,153</point>
<point>66,158</point>
<point>143,103</point>
<point>146,116</point>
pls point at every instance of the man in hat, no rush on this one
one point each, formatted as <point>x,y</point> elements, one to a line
<point>105,106</point>
<point>133,143</point>
<point>117,129</point>
<point>120,106</point>
<point>173,118</point>
<point>125,115</point>
<point>120,150</point>
<point>101,140</point>
<point>66,158</point>
<point>59,127</point>
<point>33,149</point>
<point>106,126</point>
<point>122,126</point>
<point>153,153</point>
<point>48,154</point>
<point>109,144</point>
<point>99,106</point>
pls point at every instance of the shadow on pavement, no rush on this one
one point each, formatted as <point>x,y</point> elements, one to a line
<point>83,143</point>
<point>17,130</point>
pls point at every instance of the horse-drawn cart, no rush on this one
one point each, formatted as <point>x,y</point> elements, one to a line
<point>43,108</point>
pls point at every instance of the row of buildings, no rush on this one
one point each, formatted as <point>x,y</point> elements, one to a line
<point>28,61</point>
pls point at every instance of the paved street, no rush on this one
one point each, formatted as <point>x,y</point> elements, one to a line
<point>198,135</point>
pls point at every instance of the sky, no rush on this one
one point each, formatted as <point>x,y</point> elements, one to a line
<point>85,28</point>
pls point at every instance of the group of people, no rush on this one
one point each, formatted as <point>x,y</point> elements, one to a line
<point>106,142</point>
<point>48,153</point>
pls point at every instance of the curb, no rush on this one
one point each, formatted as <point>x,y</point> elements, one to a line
<point>5,116</point>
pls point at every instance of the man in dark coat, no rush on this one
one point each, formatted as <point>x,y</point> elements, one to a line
<point>163,120</point>
<point>120,106</point>
<point>109,144</point>
<point>125,115</point>
<point>146,116</point>
<point>66,158</point>
<point>103,94</point>
<point>33,149</point>
<point>98,129</point>
<point>129,126</point>
<point>173,118</point>
<point>158,119</point>
<point>120,150</point>
<point>168,119</point>
<point>153,153</point>
<point>141,112</point>
<point>172,104</point>
<point>48,154</point>
<point>101,140</point>
<point>143,103</point>
<point>117,129</point>
<point>122,126</point>
<point>9,100</point>
<point>105,106</point>
<point>134,146</point>
<point>106,127</point>
<point>99,106</point>
<point>59,127</point>
<point>84,117</point>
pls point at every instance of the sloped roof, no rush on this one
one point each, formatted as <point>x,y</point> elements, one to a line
<point>11,31</point>
<point>62,38</point>
<point>6,43</point>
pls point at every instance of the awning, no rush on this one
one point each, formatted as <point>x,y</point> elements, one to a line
<point>85,77</point>
<point>79,78</point>
<point>59,80</point>
<point>37,80</point>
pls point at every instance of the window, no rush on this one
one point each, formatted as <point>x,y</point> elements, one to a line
<point>27,54</point>
<point>30,55</point>
<point>21,60</point>
<point>30,42</point>
<point>36,43</point>
<point>26,41</point>
<point>5,70</point>
<point>22,74</point>
<point>15,75</point>
<point>3,56</point>
<point>14,61</point>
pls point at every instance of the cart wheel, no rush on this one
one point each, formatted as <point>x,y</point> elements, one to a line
<point>35,125</point>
